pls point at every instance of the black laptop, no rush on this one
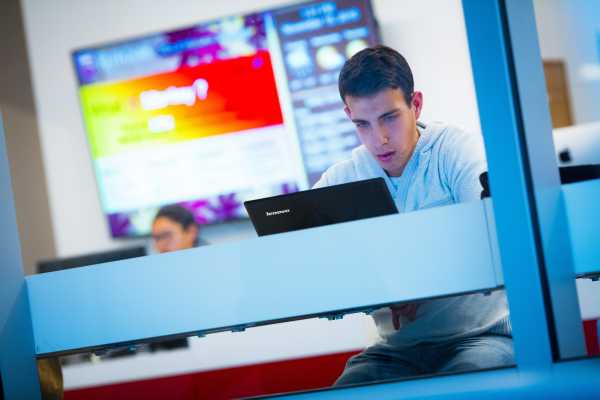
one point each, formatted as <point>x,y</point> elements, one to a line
<point>323,206</point>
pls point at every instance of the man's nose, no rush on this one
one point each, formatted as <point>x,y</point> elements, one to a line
<point>381,136</point>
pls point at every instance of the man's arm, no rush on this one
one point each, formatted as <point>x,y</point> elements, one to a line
<point>322,182</point>
<point>463,163</point>
<point>340,172</point>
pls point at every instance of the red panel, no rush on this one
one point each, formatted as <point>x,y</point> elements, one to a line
<point>259,379</point>
<point>590,328</point>
<point>242,94</point>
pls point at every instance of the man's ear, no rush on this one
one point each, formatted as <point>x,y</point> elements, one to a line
<point>193,231</point>
<point>416,103</point>
<point>347,111</point>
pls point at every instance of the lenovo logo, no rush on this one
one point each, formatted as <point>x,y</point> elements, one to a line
<point>271,213</point>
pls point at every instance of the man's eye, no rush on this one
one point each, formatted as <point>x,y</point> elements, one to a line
<point>360,124</point>
<point>162,236</point>
<point>391,117</point>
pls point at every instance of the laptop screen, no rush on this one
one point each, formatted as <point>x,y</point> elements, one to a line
<point>323,206</point>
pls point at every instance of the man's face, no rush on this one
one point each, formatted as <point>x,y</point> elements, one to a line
<point>169,235</point>
<point>387,126</point>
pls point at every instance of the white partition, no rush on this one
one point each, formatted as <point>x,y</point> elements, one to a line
<point>337,268</point>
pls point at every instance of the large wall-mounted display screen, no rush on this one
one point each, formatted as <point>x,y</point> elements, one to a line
<point>221,112</point>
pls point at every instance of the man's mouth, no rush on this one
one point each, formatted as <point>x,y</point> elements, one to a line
<point>384,157</point>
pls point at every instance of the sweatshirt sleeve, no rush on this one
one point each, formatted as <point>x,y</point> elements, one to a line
<point>464,162</point>
<point>322,182</point>
<point>340,172</point>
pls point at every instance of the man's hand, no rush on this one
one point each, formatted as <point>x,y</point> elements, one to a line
<point>404,310</point>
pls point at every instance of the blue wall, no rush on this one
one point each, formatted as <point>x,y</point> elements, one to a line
<point>17,361</point>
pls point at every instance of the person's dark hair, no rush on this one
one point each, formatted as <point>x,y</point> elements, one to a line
<point>178,214</point>
<point>374,69</point>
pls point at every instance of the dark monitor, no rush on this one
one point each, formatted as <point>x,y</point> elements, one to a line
<point>322,206</point>
<point>90,259</point>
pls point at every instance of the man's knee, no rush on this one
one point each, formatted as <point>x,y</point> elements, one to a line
<point>354,374</point>
<point>486,352</point>
<point>356,370</point>
<point>374,364</point>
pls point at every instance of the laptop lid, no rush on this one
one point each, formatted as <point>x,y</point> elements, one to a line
<point>322,206</point>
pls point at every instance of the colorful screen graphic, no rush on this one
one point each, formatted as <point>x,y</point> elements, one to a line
<point>219,113</point>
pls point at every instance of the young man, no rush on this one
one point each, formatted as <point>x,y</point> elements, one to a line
<point>424,165</point>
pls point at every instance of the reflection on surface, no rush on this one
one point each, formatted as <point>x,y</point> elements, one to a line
<point>569,38</point>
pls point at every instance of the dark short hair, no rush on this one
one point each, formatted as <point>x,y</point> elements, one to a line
<point>374,69</point>
<point>178,214</point>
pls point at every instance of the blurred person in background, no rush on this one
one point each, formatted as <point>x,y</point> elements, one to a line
<point>174,228</point>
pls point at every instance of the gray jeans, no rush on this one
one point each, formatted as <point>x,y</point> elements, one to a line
<point>382,361</point>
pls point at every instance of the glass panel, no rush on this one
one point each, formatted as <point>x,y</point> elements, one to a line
<point>569,38</point>
<point>412,338</point>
